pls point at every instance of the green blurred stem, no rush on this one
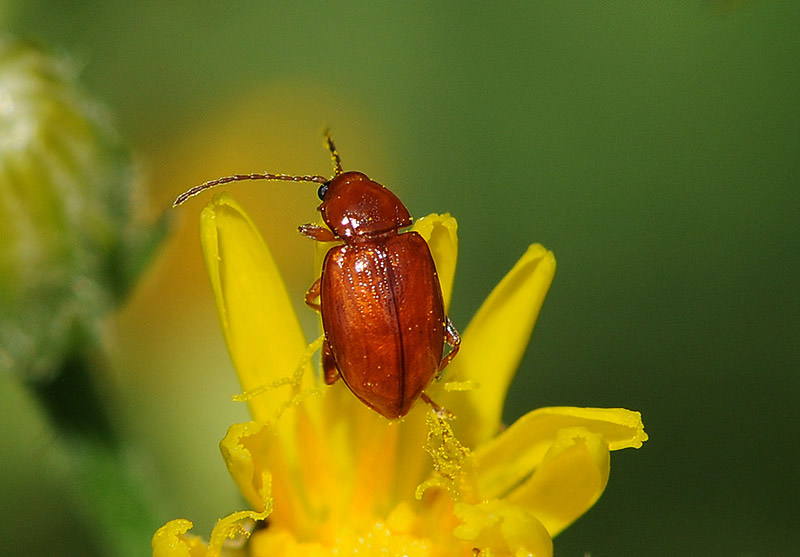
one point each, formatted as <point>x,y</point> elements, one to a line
<point>114,498</point>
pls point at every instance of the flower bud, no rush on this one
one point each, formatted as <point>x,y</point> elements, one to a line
<point>69,243</point>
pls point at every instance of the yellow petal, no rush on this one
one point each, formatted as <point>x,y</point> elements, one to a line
<point>569,481</point>
<point>440,231</point>
<point>504,462</point>
<point>260,327</point>
<point>493,345</point>
<point>291,466</point>
<point>171,540</point>
<point>502,528</point>
<point>243,449</point>
<point>264,463</point>
<point>233,527</point>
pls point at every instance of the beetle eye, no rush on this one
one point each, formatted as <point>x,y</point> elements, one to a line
<point>323,189</point>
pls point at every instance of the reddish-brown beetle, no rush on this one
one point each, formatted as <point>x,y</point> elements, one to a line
<point>379,294</point>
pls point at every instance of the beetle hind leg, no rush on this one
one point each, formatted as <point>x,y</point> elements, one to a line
<point>440,411</point>
<point>329,370</point>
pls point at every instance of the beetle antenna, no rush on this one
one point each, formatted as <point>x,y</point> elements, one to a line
<point>241,177</point>
<point>337,162</point>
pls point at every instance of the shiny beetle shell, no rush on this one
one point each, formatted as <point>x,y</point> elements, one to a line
<point>380,298</point>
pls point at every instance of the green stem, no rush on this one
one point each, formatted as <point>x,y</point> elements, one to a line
<point>114,497</point>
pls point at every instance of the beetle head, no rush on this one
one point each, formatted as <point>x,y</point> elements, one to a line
<point>353,205</point>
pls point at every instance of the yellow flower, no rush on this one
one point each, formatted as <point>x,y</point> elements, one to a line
<point>325,475</point>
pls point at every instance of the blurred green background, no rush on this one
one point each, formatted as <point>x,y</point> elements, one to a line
<point>653,146</point>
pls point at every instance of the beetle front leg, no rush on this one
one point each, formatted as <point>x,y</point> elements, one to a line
<point>313,294</point>
<point>316,232</point>
<point>452,338</point>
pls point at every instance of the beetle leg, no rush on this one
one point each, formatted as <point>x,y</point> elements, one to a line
<point>442,412</point>
<point>452,338</point>
<point>316,232</point>
<point>313,294</point>
<point>329,369</point>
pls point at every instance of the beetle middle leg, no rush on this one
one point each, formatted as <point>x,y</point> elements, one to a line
<point>452,338</point>
<point>313,294</point>
<point>329,370</point>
